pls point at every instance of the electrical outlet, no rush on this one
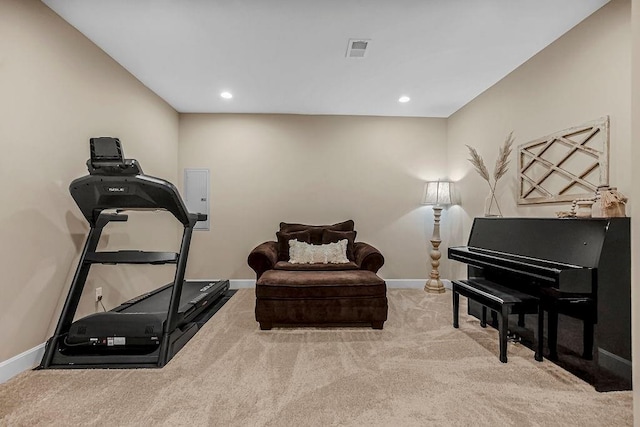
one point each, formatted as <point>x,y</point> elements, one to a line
<point>98,294</point>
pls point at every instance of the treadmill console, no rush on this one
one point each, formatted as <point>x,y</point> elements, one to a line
<point>107,158</point>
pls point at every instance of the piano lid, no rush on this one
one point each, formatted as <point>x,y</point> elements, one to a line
<point>575,241</point>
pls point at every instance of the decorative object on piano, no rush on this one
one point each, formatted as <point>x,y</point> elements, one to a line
<point>566,165</point>
<point>501,168</point>
<point>608,203</point>
<point>583,208</point>
<point>437,194</point>
<point>580,208</point>
<point>565,214</point>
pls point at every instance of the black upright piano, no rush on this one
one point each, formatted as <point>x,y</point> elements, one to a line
<point>581,271</point>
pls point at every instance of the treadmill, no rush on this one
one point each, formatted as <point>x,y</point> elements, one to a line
<point>148,330</point>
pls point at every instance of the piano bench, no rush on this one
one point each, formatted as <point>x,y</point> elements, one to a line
<point>502,300</point>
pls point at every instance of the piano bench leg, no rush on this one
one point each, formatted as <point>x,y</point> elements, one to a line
<point>540,334</point>
<point>483,321</point>
<point>503,326</point>
<point>552,333</point>
<point>456,306</point>
<point>587,340</point>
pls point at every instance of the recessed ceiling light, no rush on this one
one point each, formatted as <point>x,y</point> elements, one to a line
<point>404,98</point>
<point>226,95</point>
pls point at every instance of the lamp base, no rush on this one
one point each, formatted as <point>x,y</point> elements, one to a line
<point>434,286</point>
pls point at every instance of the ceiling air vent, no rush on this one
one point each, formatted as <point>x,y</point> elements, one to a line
<point>358,48</point>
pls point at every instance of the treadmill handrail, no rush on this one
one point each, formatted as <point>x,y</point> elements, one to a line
<point>95,193</point>
<point>131,257</point>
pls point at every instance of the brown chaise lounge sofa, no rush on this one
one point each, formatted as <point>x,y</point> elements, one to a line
<point>319,294</point>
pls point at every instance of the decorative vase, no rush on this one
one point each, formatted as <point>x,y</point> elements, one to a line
<point>491,206</point>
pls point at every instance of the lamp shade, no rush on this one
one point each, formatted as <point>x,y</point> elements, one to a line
<point>440,193</point>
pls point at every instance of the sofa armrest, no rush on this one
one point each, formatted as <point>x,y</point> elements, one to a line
<point>367,257</point>
<point>263,257</point>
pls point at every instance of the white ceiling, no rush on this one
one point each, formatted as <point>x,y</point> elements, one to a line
<point>288,56</point>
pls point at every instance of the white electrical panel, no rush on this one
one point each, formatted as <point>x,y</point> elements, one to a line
<point>196,194</point>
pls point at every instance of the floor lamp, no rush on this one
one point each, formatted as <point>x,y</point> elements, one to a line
<point>437,194</point>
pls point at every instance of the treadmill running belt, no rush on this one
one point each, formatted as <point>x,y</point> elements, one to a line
<point>196,295</point>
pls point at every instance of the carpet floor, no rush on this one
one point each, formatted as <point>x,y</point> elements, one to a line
<point>418,371</point>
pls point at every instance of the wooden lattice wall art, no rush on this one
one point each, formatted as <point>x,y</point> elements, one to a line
<point>566,165</point>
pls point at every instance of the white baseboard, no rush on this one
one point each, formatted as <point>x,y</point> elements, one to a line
<point>20,363</point>
<point>412,283</point>
<point>31,358</point>
<point>242,283</point>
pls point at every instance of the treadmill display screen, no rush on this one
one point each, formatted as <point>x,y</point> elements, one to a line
<point>105,149</point>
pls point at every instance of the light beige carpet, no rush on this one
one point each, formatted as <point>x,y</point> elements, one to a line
<point>418,371</point>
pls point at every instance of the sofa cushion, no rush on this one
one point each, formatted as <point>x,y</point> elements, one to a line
<point>332,236</point>
<point>316,230</point>
<point>283,241</point>
<point>319,284</point>
<point>285,265</point>
<point>306,253</point>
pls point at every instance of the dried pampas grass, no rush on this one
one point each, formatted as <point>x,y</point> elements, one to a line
<point>478,163</point>
<point>501,168</point>
<point>502,164</point>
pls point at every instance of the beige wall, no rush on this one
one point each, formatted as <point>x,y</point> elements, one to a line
<point>57,90</point>
<point>584,75</point>
<point>635,201</point>
<point>313,169</point>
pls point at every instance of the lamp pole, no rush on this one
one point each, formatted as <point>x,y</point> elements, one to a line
<point>434,285</point>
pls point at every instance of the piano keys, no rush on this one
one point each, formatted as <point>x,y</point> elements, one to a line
<point>581,271</point>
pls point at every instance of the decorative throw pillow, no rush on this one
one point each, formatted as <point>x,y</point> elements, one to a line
<point>283,242</point>
<point>331,236</point>
<point>305,253</point>
<point>316,230</point>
